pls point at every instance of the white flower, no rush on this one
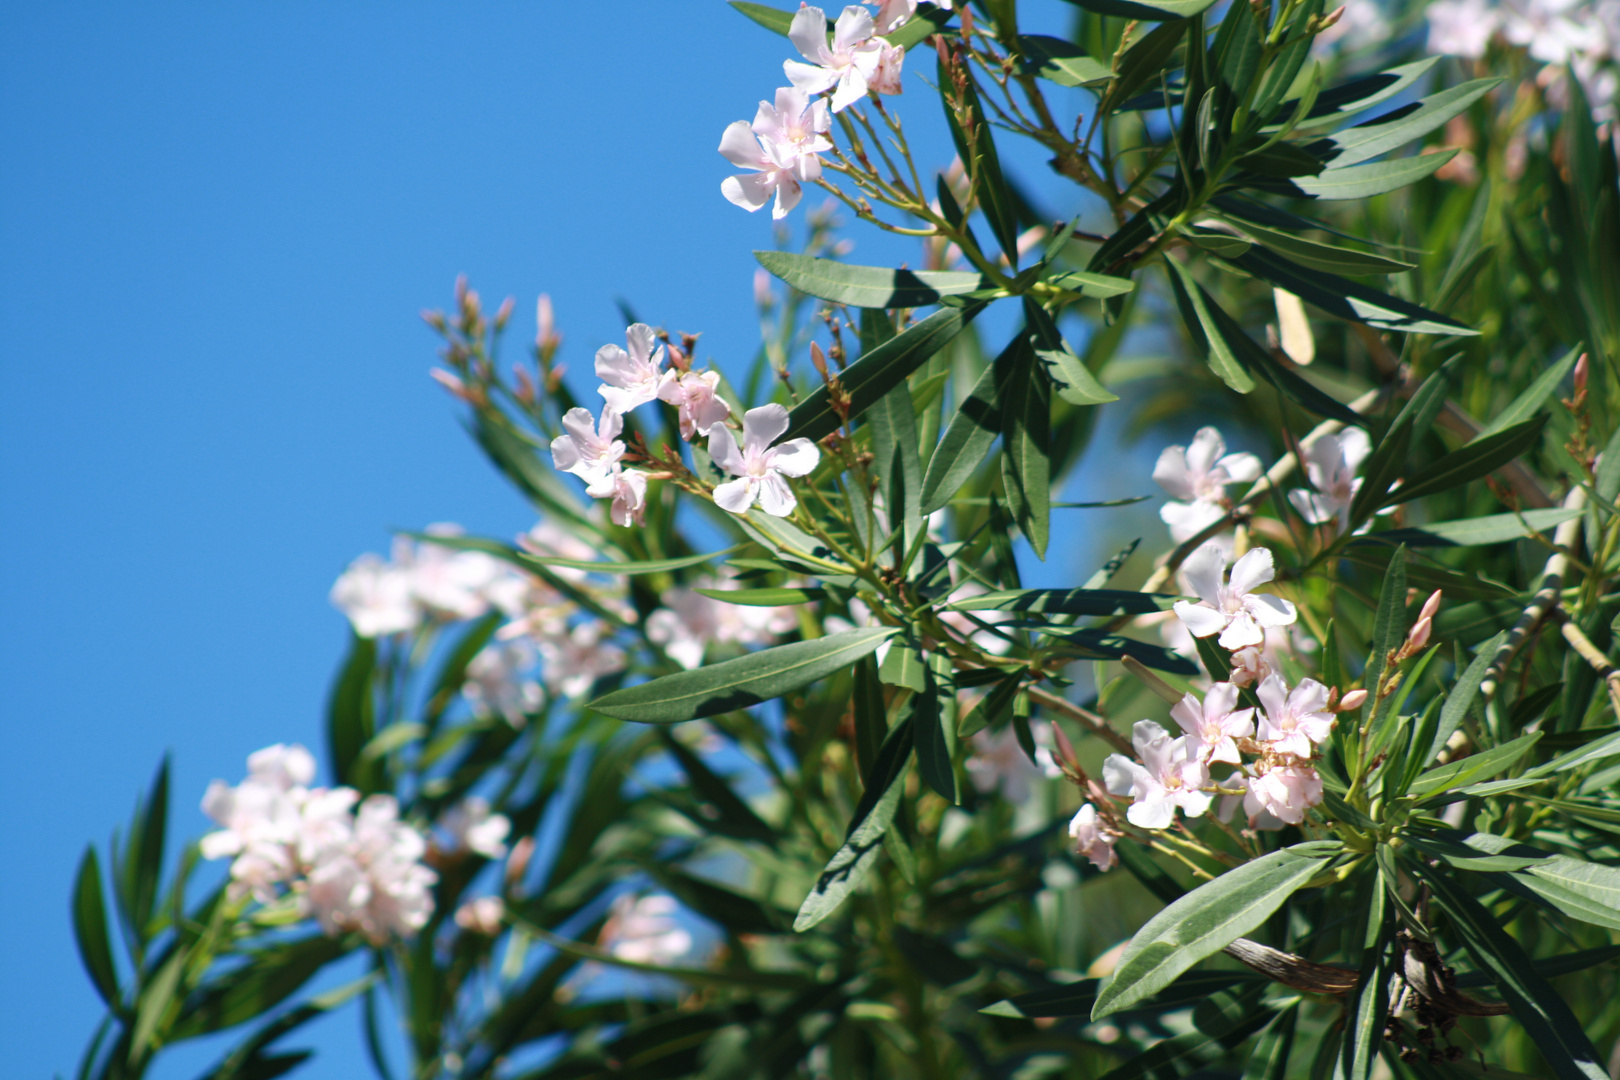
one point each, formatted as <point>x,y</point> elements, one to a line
<point>999,762</point>
<point>1173,777</point>
<point>1214,725</point>
<point>572,661</point>
<point>482,915</point>
<point>1284,792</point>
<point>588,448</point>
<point>628,490</point>
<point>689,622</point>
<point>1330,464</point>
<point>473,828</point>
<point>632,378</point>
<point>1232,610</point>
<point>376,598</point>
<point>1554,31</point>
<point>886,76</point>
<point>1461,27</point>
<point>395,897</point>
<point>1296,721</point>
<point>261,819</point>
<point>700,408</point>
<point>847,64</point>
<point>891,14</point>
<point>644,931</point>
<point>759,466</point>
<point>496,682</point>
<point>779,148</point>
<point>1094,839</point>
<point>1196,476</point>
<point>1362,25</point>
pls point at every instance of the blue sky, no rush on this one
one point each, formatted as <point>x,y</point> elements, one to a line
<point>217,226</point>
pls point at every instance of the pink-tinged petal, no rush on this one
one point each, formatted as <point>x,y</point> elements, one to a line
<point>642,341</point>
<point>1170,472</point>
<point>1201,620</point>
<point>1268,610</point>
<point>1203,572</point>
<point>1354,446</point>
<point>1241,631</point>
<point>1145,735</point>
<point>1189,714</point>
<point>712,411</point>
<point>808,32</point>
<point>1120,774</point>
<point>767,122</point>
<point>807,169</point>
<point>792,103</point>
<point>763,426</point>
<point>1273,694</point>
<point>614,366</point>
<point>796,457</point>
<point>1240,468</point>
<point>1188,519</point>
<point>788,192</point>
<point>775,497</point>
<point>851,88</point>
<point>1207,445</point>
<point>748,190</point>
<point>723,451</point>
<point>1154,812</point>
<point>1255,568</point>
<point>1311,506</point>
<point>812,80</point>
<point>580,425</point>
<point>1323,460</point>
<point>1226,751</point>
<point>820,121</point>
<point>738,146</point>
<point>610,426</point>
<point>603,486</point>
<point>1309,696</point>
<point>735,495</point>
<point>1220,699</point>
<point>1194,803</point>
<point>564,454</point>
<point>854,27</point>
<point>623,400</point>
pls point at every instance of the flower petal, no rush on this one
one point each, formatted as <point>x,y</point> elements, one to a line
<point>1241,631</point>
<point>723,451</point>
<point>1203,572</point>
<point>812,80</point>
<point>775,497</point>
<point>738,146</point>
<point>1255,568</point>
<point>808,32</point>
<point>763,426</point>
<point>1170,472</point>
<point>1268,610</point>
<point>796,457</point>
<point>735,495</point>
<point>1201,619</point>
<point>1207,445</point>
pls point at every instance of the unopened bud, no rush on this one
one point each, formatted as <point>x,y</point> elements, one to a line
<point>503,313</point>
<point>1431,606</point>
<point>461,289</point>
<point>1355,699</point>
<point>525,385</point>
<point>545,337</point>
<point>452,383</point>
<point>434,319</point>
<point>1419,636</point>
<point>517,863</point>
<point>764,298</point>
<point>483,915</point>
<point>1330,18</point>
<point>1583,368</point>
<point>1065,749</point>
<point>819,358</point>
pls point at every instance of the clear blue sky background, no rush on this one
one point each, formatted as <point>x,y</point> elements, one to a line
<point>217,226</point>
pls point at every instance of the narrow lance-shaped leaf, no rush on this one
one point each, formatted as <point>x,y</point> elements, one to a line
<point>868,286</point>
<point>1208,335</point>
<point>1026,417</point>
<point>1479,458</point>
<point>933,726</point>
<point>740,683</point>
<point>1347,299</point>
<point>1208,919</point>
<point>1373,178</point>
<point>978,154</point>
<point>1153,10</point>
<point>1068,602</point>
<point>1384,133</point>
<point>1063,62</point>
<point>1535,395</point>
<point>893,421</point>
<point>1480,766</point>
<point>971,432</point>
<point>1071,378</point>
<point>90,928</point>
<point>878,372</point>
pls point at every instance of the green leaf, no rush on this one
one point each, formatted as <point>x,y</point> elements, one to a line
<point>1372,178</point>
<point>1462,696</point>
<point>925,22</point>
<point>246,1062</point>
<point>1063,62</point>
<point>1068,602</point>
<point>903,666</point>
<point>1480,852</point>
<point>271,976</point>
<point>1582,890</point>
<point>143,860</point>
<point>1144,61</point>
<point>1480,766</point>
<point>868,286</point>
<point>1208,919</point>
<point>90,929</point>
<point>1556,1031</point>
<point>764,597</point>
<point>1338,103</point>
<point>1095,286</point>
<point>871,716</point>
<point>768,17</point>
<point>1221,1022</point>
<point>1209,335</point>
<point>1399,126</point>
<point>983,164</point>
<point>1073,380</point>
<point>1151,10</point>
<point>994,708</point>
<point>1025,460</point>
<point>1477,532</point>
<point>1479,458</point>
<point>933,729</point>
<point>740,683</point>
<point>972,430</point>
<point>1347,299</point>
<point>350,716</point>
<point>1318,256</point>
<point>878,372</point>
<point>1103,645</point>
<point>1534,396</point>
<point>732,816</point>
<point>1301,391</point>
<point>893,421</point>
<point>859,853</point>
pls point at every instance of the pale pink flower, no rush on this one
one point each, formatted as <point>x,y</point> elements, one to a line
<point>886,76</point>
<point>262,812</point>
<point>627,489</point>
<point>588,448</point>
<point>482,915</point>
<point>498,684</point>
<point>689,622</point>
<point>471,827</point>
<point>891,14</point>
<point>998,762</point>
<point>759,466</point>
<point>1284,791</point>
<point>632,377</point>
<point>1215,724</point>
<point>700,408</point>
<point>848,64</point>
<point>572,661</point>
<point>1231,609</point>
<point>397,898</point>
<point>1461,27</point>
<point>1330,464</point>
<point>448,583</point>
<point>1295,721</point>
<point>644,931</point>
<point>549,541</point>
<point>376,598</point>
<point>1249,665</point>
<point>1196,476</point>
<point>1171,775</point>
<point>1094,838</point>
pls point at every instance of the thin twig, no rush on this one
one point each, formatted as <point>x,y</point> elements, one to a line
<point>1085,717</point>
<point>1545,599</point>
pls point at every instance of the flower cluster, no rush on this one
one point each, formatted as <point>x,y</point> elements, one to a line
<point>689,622</point>
<point>1197,476</point>
<point>351,867</point>
<point>422,582</point>
<point>643,930</point>
<point>781,149</point>
<point>1582,35</point>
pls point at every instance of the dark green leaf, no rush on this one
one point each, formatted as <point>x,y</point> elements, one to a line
<point>1318,256</point>
<point>903,666</point>
<point>1152,10</point>
<point>1101,644</point>
<point>1476,532</point>
<point>983,164</point>
<point>90,928</point>
<point>1372,178</point>
<point>1534,396</point>
<point>1462,696</point>
<point>1208,919</point>
<point>350,715</point>
<point>1068,602</point>
<point>1382,134</point>
<point>1096,286</point>
<point>1144,61</point>
<point>1073,381</point>
<point>768,17</point>
<point>270,978</point>
<point>1347,299</point>
<point>893,421</point>
<point>731,815</point>
<point>868,286</point>
<point>933,729</point>
<point>972,430</point>
<point>1025,461</point>
<point>1210,336</point>
<point>871,717</point>
<point>993,708</point>
<point>740,683</point>
<point>1479,458</point>
<point>1480,766</point>
<point>764,597</point>
<point>878,372</point>
<point>1340,102</point>
<point>1063,62</point>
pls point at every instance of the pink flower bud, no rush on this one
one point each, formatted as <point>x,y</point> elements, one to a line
<point>1431,606</point>
<point>1419,636</point>
<point>503,313</point>
<point>1353,700</point>
<point>763,297</point>
<point>545,322</point>
<point>1582,369</point>
<point>517,863</point>
<point>451,383</point>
